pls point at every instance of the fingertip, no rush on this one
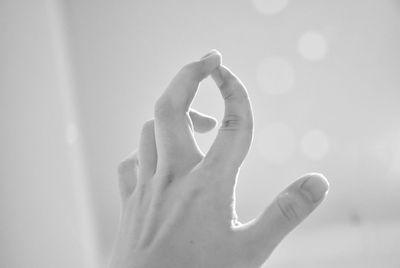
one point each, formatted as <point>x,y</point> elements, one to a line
<point>315,186</point>
<point>223,75</point>
<point>217,76</point>
<point>201,122</point>
<point>288,210</point>
<point>212,52</point>
<point>211,123</point>
<point>129,163</point>
<point>300,198</point>
<point>147,153</point>
<point>207,125</point>
<point>127,173</point>
<point>211,61</point>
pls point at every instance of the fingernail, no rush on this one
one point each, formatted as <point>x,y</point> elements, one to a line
<point>212,52</point>
<point>315,187</point>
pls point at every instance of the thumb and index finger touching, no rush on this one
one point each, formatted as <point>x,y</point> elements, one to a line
<point>173,127</point>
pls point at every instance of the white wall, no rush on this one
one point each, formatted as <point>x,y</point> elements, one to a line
<point>43,211</point>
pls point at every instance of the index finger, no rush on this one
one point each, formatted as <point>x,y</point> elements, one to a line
<point>236,132</point>
<point>173,125</point>
<point>183,87</point>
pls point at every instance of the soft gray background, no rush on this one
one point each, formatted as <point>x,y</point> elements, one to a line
<point>78,79</point>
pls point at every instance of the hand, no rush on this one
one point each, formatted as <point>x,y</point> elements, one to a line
<point>178,205</point>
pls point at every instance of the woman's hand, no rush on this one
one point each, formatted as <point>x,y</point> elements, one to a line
<point>179,205</point>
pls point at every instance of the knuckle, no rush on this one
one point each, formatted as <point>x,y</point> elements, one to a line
<point>232,121</point>
<point>212,170</point>
<point>194,190</point>
<point>237,121</point>
<point>289,209</point>
<point>165,178</point>
<point>236,93</point>
<point>220,181</point>
<point>206,174</point>
<point>164,108</point>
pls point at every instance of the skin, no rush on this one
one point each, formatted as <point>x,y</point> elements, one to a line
<point>178,205</point>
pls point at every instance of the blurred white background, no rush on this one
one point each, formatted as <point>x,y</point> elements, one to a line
<point>78,79</point>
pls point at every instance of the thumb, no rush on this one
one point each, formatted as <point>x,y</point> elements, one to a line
<point>286,212</point>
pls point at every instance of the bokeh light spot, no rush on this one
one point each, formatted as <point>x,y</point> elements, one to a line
<point>315,144</point>
<point>270,6</point>
<point>275,76</point>
<point>276,143</point>
<point>313,46</point>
